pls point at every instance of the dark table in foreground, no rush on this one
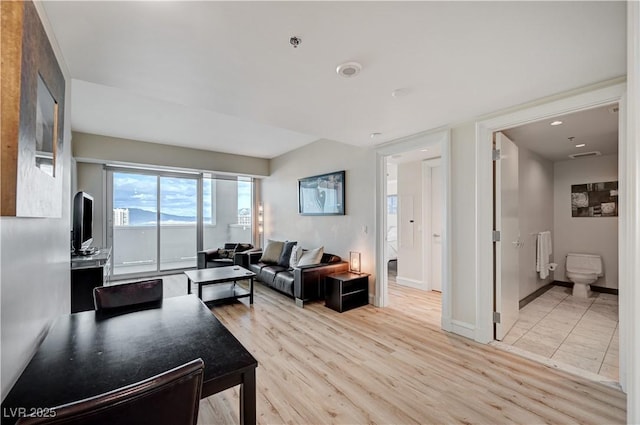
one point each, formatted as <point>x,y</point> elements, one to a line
<point>225,274</point>
<point>86,354</point>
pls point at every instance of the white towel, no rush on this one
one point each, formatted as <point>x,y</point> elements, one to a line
<point>544,250</point>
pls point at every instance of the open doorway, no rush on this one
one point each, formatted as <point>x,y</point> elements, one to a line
<point>413,234</point>
<point>556,207</point>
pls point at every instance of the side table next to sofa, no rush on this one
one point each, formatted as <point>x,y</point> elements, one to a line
<point>344,291</point>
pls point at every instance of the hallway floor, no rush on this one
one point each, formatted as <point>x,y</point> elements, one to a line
<point>582,333</point>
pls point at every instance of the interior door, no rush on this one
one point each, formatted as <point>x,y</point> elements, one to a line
<point>507,283</point>
<point>436,228</point>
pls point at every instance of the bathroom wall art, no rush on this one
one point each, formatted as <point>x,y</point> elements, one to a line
<point>594,199</point>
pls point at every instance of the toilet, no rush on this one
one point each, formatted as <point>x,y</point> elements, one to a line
<point>583,270</point>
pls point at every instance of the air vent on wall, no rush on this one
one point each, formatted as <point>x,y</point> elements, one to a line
<point>584,154</point>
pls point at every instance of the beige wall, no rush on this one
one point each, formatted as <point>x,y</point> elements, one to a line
<point>535,176</point>
<point>589,235</point>
<point>34,266</point>
<point>338,234</point>
<point>112,150</point>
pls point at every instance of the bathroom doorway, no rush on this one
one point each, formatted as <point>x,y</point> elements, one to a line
<point>565,195</point>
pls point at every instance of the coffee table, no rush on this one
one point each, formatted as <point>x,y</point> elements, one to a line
<point>203,277</point>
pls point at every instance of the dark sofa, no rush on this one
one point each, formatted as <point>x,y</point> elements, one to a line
<point>305,283</point>
<point>220,257</point>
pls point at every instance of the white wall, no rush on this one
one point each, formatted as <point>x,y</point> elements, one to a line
<point>392,219</point>
<point>410,255</point>
<point>592,235</point>
<point>90,179</point>
<point>463,212</point>
<point>535,176</point>
<point>35,266</point>
<point>338,234</point>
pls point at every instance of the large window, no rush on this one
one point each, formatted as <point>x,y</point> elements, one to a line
<point>155,216</point>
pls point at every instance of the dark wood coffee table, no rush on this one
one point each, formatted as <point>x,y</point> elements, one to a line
<point>227,274</point>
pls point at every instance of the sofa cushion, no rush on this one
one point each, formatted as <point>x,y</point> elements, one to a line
<point>311,257</point>
<point>285,255</point>
<point>268,273</point>
<point>284,282</point>
<point>271,252</point>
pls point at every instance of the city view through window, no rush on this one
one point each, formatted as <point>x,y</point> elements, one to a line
<point>154,222</point>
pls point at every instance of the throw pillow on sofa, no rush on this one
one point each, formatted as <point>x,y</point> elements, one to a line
<point>311,257</point>
<point>272,251</point>
<point>226,253</point>
<point>296,253</point>
<point>285,255</point>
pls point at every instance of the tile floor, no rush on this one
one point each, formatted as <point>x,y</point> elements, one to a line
<point>582,333</point>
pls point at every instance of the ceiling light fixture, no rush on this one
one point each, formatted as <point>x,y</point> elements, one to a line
<point>295,41</point>
<point>349,69</point>
<point>556,123</point>
<point>581,145</point>
<point>400,92</point>
<point>374,135</point>
<point>424,150</point>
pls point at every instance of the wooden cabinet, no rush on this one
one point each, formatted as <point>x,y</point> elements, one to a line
<point>344,291</point>
<point>88,272</point>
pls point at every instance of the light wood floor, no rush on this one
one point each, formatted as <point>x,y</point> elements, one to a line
<point>391,366</point>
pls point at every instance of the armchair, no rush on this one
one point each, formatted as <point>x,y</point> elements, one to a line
<point>220,257</point>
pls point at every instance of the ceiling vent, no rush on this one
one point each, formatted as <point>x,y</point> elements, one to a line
<point>349,69</point>
<point>584,154</point>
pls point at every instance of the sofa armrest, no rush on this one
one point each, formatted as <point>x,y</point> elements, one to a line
<point>308,281</point>
<point>254,255</point>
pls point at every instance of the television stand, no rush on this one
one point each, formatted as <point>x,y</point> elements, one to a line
<point>87,272</point>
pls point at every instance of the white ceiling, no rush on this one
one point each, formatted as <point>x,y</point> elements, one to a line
<point>597,128</point>
<point>222,75</point>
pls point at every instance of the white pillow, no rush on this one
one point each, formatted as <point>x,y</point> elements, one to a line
<point>311,257</point>
<point>296,253</point>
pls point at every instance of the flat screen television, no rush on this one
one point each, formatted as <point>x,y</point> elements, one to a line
<point>83,223</point>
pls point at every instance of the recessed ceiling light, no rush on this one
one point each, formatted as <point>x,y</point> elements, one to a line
<point>374,135</point>
<point>400,92</point>
<point>581,145</point>
<point>556,123</point>
<point>349,69</point>
<point>423,150</point>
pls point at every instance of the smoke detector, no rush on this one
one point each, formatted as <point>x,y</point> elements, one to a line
<point>584,154</point>
<point>349,69</point>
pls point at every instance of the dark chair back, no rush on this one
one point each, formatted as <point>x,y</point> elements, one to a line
<point>170,398</point>
<point>127,294</point>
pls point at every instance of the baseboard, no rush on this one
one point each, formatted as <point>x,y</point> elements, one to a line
<point>535,294</point>
<point>601,289</point>
<point>464,329</point>
<point>411,283</point>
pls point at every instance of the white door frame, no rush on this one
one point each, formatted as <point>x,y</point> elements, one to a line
<point>484,210</point>
<point>422,140</point>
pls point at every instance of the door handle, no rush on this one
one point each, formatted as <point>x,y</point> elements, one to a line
<point>435,235</point>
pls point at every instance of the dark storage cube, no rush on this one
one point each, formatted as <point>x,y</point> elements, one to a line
<point>344,291</point>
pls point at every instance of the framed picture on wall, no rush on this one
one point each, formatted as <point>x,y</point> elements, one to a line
<point>594,199</point>
<point>322,194</point>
